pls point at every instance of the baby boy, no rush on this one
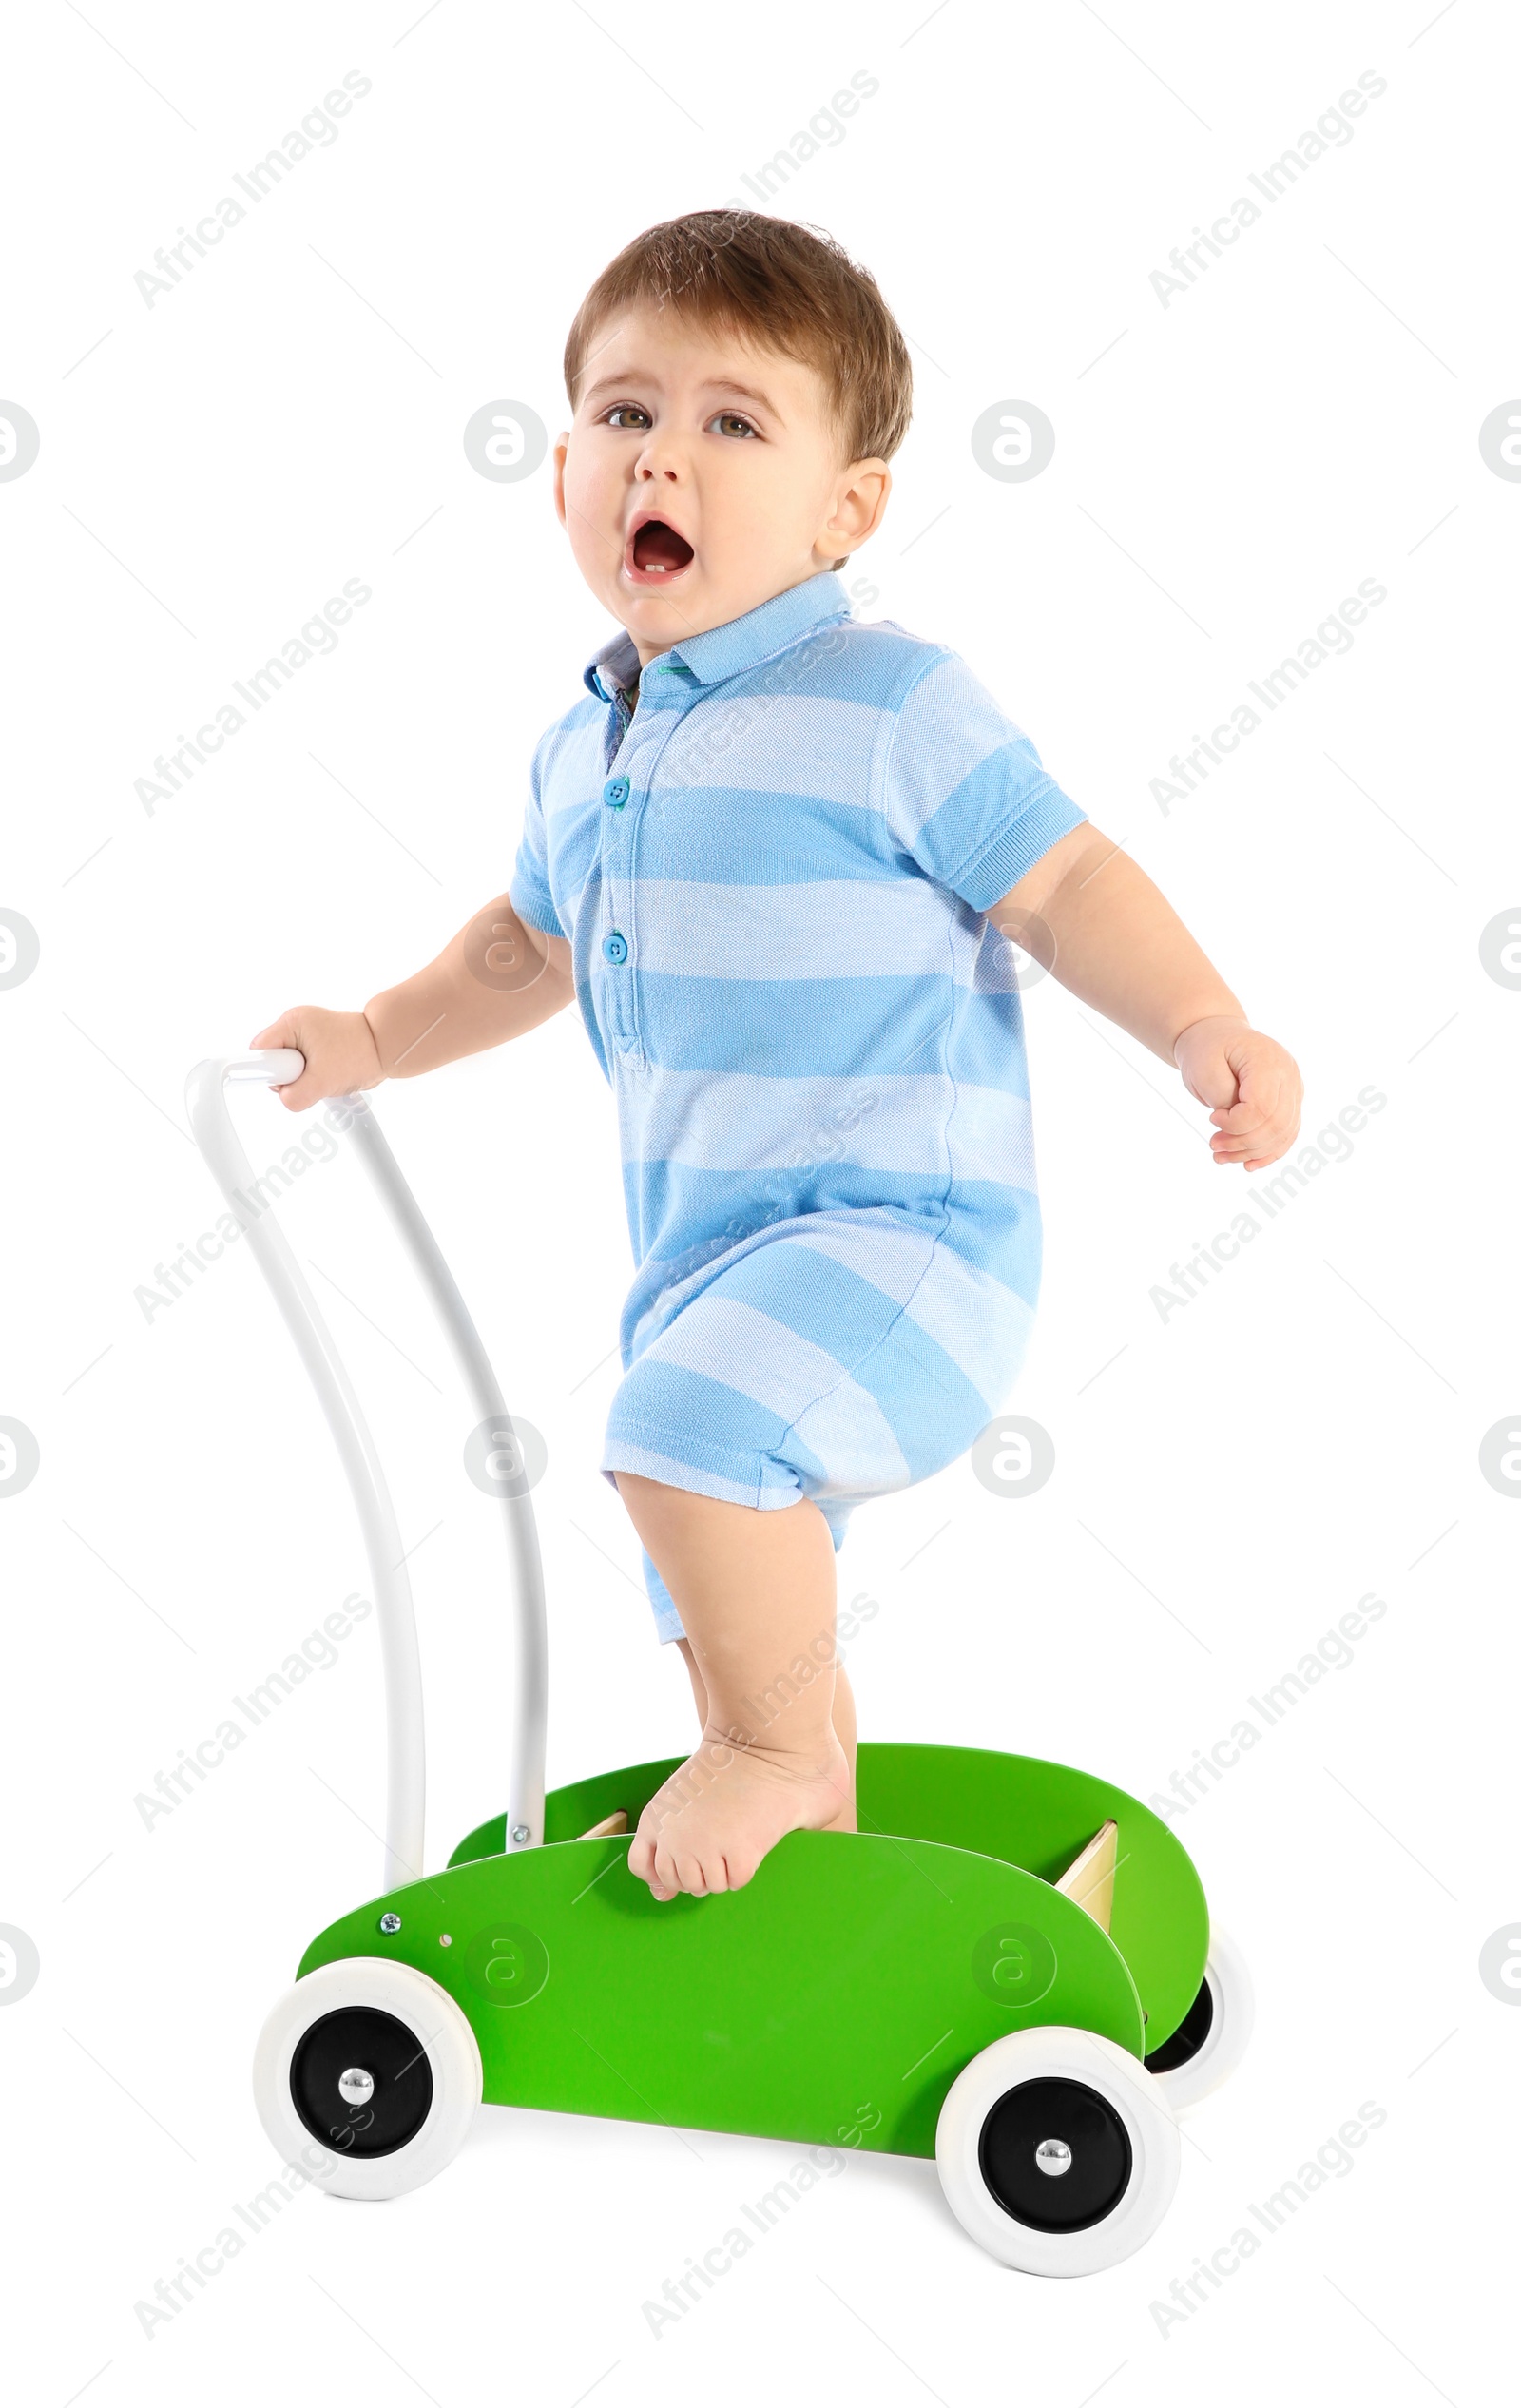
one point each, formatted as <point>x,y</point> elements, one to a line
<point>777,856</point>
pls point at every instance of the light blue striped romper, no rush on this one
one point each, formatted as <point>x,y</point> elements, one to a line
<point>774,876</point>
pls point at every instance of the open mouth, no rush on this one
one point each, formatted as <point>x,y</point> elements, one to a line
<point>657,553</point>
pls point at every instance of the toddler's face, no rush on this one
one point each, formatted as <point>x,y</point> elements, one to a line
<point>699,478</point>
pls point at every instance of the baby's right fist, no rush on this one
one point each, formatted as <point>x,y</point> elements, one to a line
<point>339,1050</point>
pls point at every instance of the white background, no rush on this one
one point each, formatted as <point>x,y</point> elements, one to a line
<point>1229,1480</point>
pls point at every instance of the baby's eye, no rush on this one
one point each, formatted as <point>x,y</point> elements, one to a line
<point>728,420</point>
<point>620,408</point>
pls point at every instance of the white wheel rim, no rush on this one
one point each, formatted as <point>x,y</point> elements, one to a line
<point>1233,2012</point>
<point>1062,2052</point>
<point>454,2060</point>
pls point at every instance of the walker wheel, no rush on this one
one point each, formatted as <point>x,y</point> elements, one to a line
<point>367,2076</point>
<point>1211,2040</point>
<point>1057,2152</point>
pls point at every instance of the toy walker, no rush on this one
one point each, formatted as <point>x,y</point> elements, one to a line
<point>1009,1968</point>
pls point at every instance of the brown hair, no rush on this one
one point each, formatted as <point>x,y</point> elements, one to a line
<point>780,287</point>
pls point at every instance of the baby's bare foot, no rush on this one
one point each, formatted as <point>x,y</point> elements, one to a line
<point>709,1825</point>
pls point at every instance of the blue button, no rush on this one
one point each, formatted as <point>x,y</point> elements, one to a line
<point>616,792</point>
<point>615,948</point>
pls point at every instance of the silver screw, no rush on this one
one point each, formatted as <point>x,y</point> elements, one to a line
<point>1053,2157</point>
<point>390,1922</point>
<point>356,2085</point>
<point>520,1832</point>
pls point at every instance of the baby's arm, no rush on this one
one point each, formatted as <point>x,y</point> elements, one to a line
<point>1120,946</point>
<point>496,980</point>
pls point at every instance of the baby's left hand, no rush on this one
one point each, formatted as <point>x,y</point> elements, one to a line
<point>1253,1084</point>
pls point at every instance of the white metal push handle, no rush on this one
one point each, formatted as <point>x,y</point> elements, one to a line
<point>214,1132</point>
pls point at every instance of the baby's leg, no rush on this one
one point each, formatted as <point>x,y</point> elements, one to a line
<point>755,1593</point>
<point>842,1714</point>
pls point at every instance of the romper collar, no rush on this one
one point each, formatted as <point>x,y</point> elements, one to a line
<point>740,643</point>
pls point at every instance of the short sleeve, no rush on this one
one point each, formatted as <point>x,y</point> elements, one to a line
<point>965,793</point>
<point>530,889</point>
